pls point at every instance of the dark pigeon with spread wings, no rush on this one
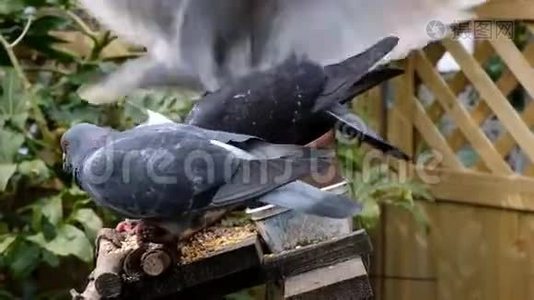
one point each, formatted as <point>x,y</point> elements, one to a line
<point>298,101</point>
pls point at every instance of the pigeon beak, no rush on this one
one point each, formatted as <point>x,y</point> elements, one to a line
<point>66,166</point>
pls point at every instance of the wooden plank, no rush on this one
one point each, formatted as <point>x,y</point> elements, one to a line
<point>525,244</point>
<point>345,280</point>
<point>493,97</point>
<point>409,248</point>
<point>377,258</point>
<point>315,256</point>
<point>400,126</point>
<point>478,253</point>
<point>516,62</point>
<point>506,10</point>
<point>502,231</point>
<point>505,143</point>
<point>371,104</point>
<point>478,256</point>
<point>521,65</point>
<point>459,250</point>
<point>483,52</point>
<point>435,52</point>
<point>216,289</point>
<point>471,130</point>
<point>433,137</point>
<point>507,83</point>
<point>409,289</point>
<point>511,192</point>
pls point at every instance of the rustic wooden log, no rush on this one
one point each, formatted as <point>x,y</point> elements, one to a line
<point>230,261</point>
<point>105,281</point>
<point>108,282</point>
<point>156,261</point>
<point>131,266</point>
<point>89,293</point>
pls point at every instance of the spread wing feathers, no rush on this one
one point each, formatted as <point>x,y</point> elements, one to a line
<point>140,22</point>
<point>257,177</point>
<point>144,72</point>
<point>341,28</point>
<point>343,76</point>
<point>307,199</point>
<point>352,126</point>
<point>215,40</point>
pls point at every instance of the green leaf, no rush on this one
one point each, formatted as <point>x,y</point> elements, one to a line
<point>6,295</point>
<point>5,242</point>
<point>370,213</point>
<point>90,221</point>
<point>11,143</point>
<point>71,241</point>
<point>37,239</point>
<point>35,169</point>
<point>14,101</point>
<point>37,217</point>
<point>6,172</point>
<point>52,209</point>
<point>45,24</point>
<point>24,259</point>
<point>11,6</point>
<point>51,259</point>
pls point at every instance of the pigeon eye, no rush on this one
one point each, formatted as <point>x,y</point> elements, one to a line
<point>64,145</point>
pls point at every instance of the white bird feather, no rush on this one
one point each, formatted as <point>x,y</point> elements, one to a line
<point>201,44</point>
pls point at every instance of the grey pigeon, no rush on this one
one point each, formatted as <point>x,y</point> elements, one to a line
<point>173,175</point>
<point>203,44</point>
<point>298,101</point>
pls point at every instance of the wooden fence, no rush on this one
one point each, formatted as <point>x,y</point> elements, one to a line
<point>481,241</point>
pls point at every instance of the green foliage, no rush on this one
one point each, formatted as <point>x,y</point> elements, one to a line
<point>46,222</point>
<point>374,183</point>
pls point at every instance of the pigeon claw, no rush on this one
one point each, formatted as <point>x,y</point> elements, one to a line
<point>152,233</point>
<point>110,235</point>
<point>127,226</point>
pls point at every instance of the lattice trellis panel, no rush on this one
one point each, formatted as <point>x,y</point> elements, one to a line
<point>480,116</point>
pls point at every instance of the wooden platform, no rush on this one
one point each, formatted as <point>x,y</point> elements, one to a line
<point>333,269</point>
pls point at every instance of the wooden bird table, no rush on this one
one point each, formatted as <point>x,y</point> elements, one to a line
<point>297,256</point>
